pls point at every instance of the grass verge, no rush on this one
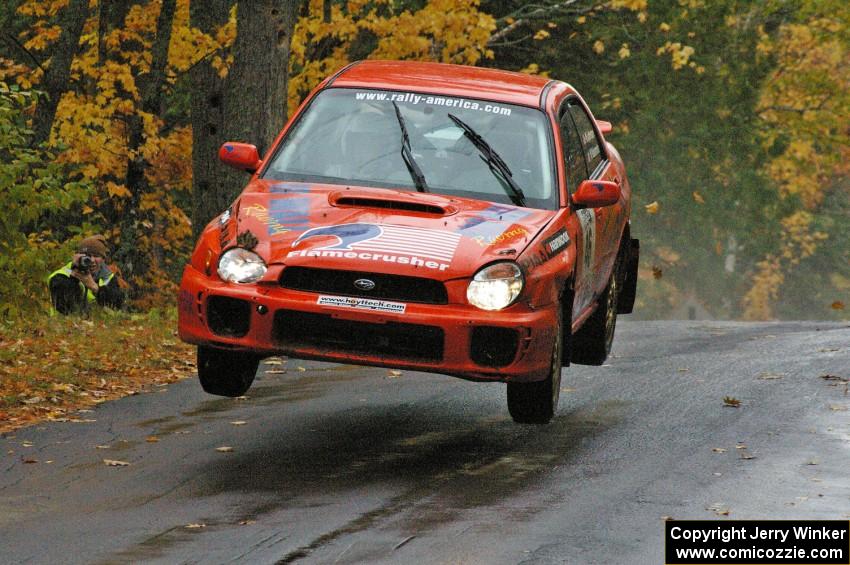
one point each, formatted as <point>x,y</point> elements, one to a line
<point>51,367</point>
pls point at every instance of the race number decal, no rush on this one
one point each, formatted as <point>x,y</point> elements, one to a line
<point>588,229</point>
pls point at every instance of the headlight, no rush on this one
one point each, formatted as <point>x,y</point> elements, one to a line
<point>241,266</point>
<point>495,287</point>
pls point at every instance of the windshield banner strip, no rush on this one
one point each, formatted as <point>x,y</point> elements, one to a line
<point>430,100</point>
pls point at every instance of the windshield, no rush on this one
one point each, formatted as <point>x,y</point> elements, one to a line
<point>350,136</point>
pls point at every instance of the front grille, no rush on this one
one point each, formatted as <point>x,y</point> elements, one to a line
<point>387,287</point>
<point>391,340</point>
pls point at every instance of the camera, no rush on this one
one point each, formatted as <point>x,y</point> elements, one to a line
<point>84,264</point>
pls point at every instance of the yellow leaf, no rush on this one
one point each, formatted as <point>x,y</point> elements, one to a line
<point>652,207</point>
<point>698,198</point>
<point>598,46</point>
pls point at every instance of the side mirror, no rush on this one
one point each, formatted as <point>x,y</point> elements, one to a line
<point>604,127</point>
<point>596,194</point>
<point>242,156</point>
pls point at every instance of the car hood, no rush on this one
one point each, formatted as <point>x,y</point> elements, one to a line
<point>377,230</point>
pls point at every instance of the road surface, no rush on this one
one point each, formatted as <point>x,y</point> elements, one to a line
<point>345,464</point>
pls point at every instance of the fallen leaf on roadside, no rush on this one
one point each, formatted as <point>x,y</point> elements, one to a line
<point>275,371</point>
<point>239,422</point>
<point>247,522</point>
<point>115,463</point>
<point>393,373</point>
<point>837,305</point>
<point>102,447</point>
<point>740,446</point>
<point>568,389</point>
<point>652,207</point>
<point>657,273</point>
<point>769,376</point>
<point>151,439</point>
<point>719,509</point>
<point>195,526</point>
<point>26,444</point>
<point>273,362</point>
<point>718,449</point>
<point>834,378</point>
<point>731,401</point>
<point>33,400</point>
<point>62,387</point>
<point>28,460</point>
<point>683,369</point>
<point>224,449</point>
<point>301,369</point>
<point>827,349</point>
<point>667,518</point>
<point>812,462</point>
<point>747,456</point>
<point>698,197</point>
<point>837,408</point>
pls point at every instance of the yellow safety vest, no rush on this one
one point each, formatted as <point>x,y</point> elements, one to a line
<point>90,296</point>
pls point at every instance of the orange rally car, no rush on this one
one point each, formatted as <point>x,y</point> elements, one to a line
<point>458,220</point>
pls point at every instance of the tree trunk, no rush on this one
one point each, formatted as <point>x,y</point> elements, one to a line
<point>249,105</point>
<point>207,114</point>
<point>150,85</point>
<point>55,81</point>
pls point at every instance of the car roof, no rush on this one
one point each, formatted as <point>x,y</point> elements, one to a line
<point>439,78</point>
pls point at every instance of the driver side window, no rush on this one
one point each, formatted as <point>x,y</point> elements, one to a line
<point>573,154</point>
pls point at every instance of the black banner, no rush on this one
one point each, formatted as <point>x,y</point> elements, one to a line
<point>757,542</point>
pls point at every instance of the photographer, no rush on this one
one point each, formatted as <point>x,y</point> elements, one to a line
<point>85,280</point>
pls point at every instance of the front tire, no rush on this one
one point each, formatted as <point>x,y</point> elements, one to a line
<point>536,402</point>
<point>592,343</point>
<point>226,373</point>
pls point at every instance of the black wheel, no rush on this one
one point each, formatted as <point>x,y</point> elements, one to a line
<point>226,373</point>
<point>592,342</point>
<point>535,402</point>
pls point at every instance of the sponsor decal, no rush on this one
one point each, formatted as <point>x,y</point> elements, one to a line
<point>494,225</point>
<point>556,243</point>
<point>284,214</point>
<point>362,304</point>
<point>587,219</point>
<point>502,237</point>
<point>403,245</point>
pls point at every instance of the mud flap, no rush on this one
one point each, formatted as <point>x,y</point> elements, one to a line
<point>628,290</point>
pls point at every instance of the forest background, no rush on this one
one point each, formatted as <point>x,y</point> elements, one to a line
<point>733,118</point>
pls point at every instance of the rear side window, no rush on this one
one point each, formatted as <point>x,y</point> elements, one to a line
<point>592,148</point>
<point>574,162</point>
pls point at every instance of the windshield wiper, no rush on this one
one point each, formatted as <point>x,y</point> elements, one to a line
<point>407,154</point>
<point>493,160</point>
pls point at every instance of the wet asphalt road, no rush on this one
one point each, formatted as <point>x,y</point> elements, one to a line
<point>343,464</point>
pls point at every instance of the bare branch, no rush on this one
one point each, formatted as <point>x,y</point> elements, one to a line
<point>13,39</point>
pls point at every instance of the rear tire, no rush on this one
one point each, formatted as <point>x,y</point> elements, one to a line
<point>226,373</point>
<point>536,402</point>
<point>592,342</point>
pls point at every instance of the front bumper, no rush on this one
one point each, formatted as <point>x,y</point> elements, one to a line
<point>459,340</point>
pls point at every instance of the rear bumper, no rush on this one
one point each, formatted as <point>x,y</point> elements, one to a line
<point>458,340</point>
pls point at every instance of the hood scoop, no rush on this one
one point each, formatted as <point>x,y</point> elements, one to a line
<point>393,201</point>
